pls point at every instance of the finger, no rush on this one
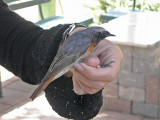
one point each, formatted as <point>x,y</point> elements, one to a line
<point>92,61</point>
<point>86,88</point>
<point>104,45</point>
<point>90,83</point>
<point>108,51</point>
<point>106,74</point>
<point>77,89</point>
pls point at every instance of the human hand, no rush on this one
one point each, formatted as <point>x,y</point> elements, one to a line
<point>88,78</point>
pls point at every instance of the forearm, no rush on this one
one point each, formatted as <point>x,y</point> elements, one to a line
<point>21,45</point>
<point>16,36</point>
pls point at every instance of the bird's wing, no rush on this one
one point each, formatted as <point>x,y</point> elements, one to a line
<point>72,49</point>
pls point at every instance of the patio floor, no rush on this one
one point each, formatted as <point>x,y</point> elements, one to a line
<point>15,105</point>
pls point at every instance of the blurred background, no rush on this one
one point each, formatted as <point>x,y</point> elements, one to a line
<point>135,93</point>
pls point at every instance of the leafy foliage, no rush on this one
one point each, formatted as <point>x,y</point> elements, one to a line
<point>151,5</point>
<point>105,6</point>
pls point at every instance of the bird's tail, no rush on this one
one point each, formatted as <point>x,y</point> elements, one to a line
<point>40,88</point>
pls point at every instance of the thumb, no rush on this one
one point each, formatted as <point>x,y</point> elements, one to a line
<point>92,61</point>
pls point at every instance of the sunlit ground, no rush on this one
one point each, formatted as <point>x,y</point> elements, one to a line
<point>5,74</point>
<point>39,109</point>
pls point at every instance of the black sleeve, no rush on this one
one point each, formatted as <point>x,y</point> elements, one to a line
<point>26,49</point>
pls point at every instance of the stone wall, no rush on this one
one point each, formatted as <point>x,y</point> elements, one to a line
<point>136,90</point>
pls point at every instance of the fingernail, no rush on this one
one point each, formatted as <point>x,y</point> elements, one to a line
<point>78,67</point>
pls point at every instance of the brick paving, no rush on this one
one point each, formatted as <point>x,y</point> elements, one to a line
<point>15,105</point>
<point>15,93</point>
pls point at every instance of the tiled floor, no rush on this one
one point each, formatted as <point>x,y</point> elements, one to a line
<point>15,105</point>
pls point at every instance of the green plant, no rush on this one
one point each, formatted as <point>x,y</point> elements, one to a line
<point>104,6</point>
<point>108,5</point>
<point>49,9</point>
<point>148,5</point>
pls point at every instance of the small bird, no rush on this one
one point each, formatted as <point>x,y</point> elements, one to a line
<point>74,49</point>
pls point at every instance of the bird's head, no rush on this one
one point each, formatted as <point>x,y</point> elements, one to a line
<point>98,33</point>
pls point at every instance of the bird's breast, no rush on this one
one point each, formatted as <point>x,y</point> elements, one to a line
<point>89,50</point>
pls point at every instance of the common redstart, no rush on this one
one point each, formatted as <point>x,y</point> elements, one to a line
<point>74,49</point>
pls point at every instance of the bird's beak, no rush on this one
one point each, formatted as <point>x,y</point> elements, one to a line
<point>111,34</point>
